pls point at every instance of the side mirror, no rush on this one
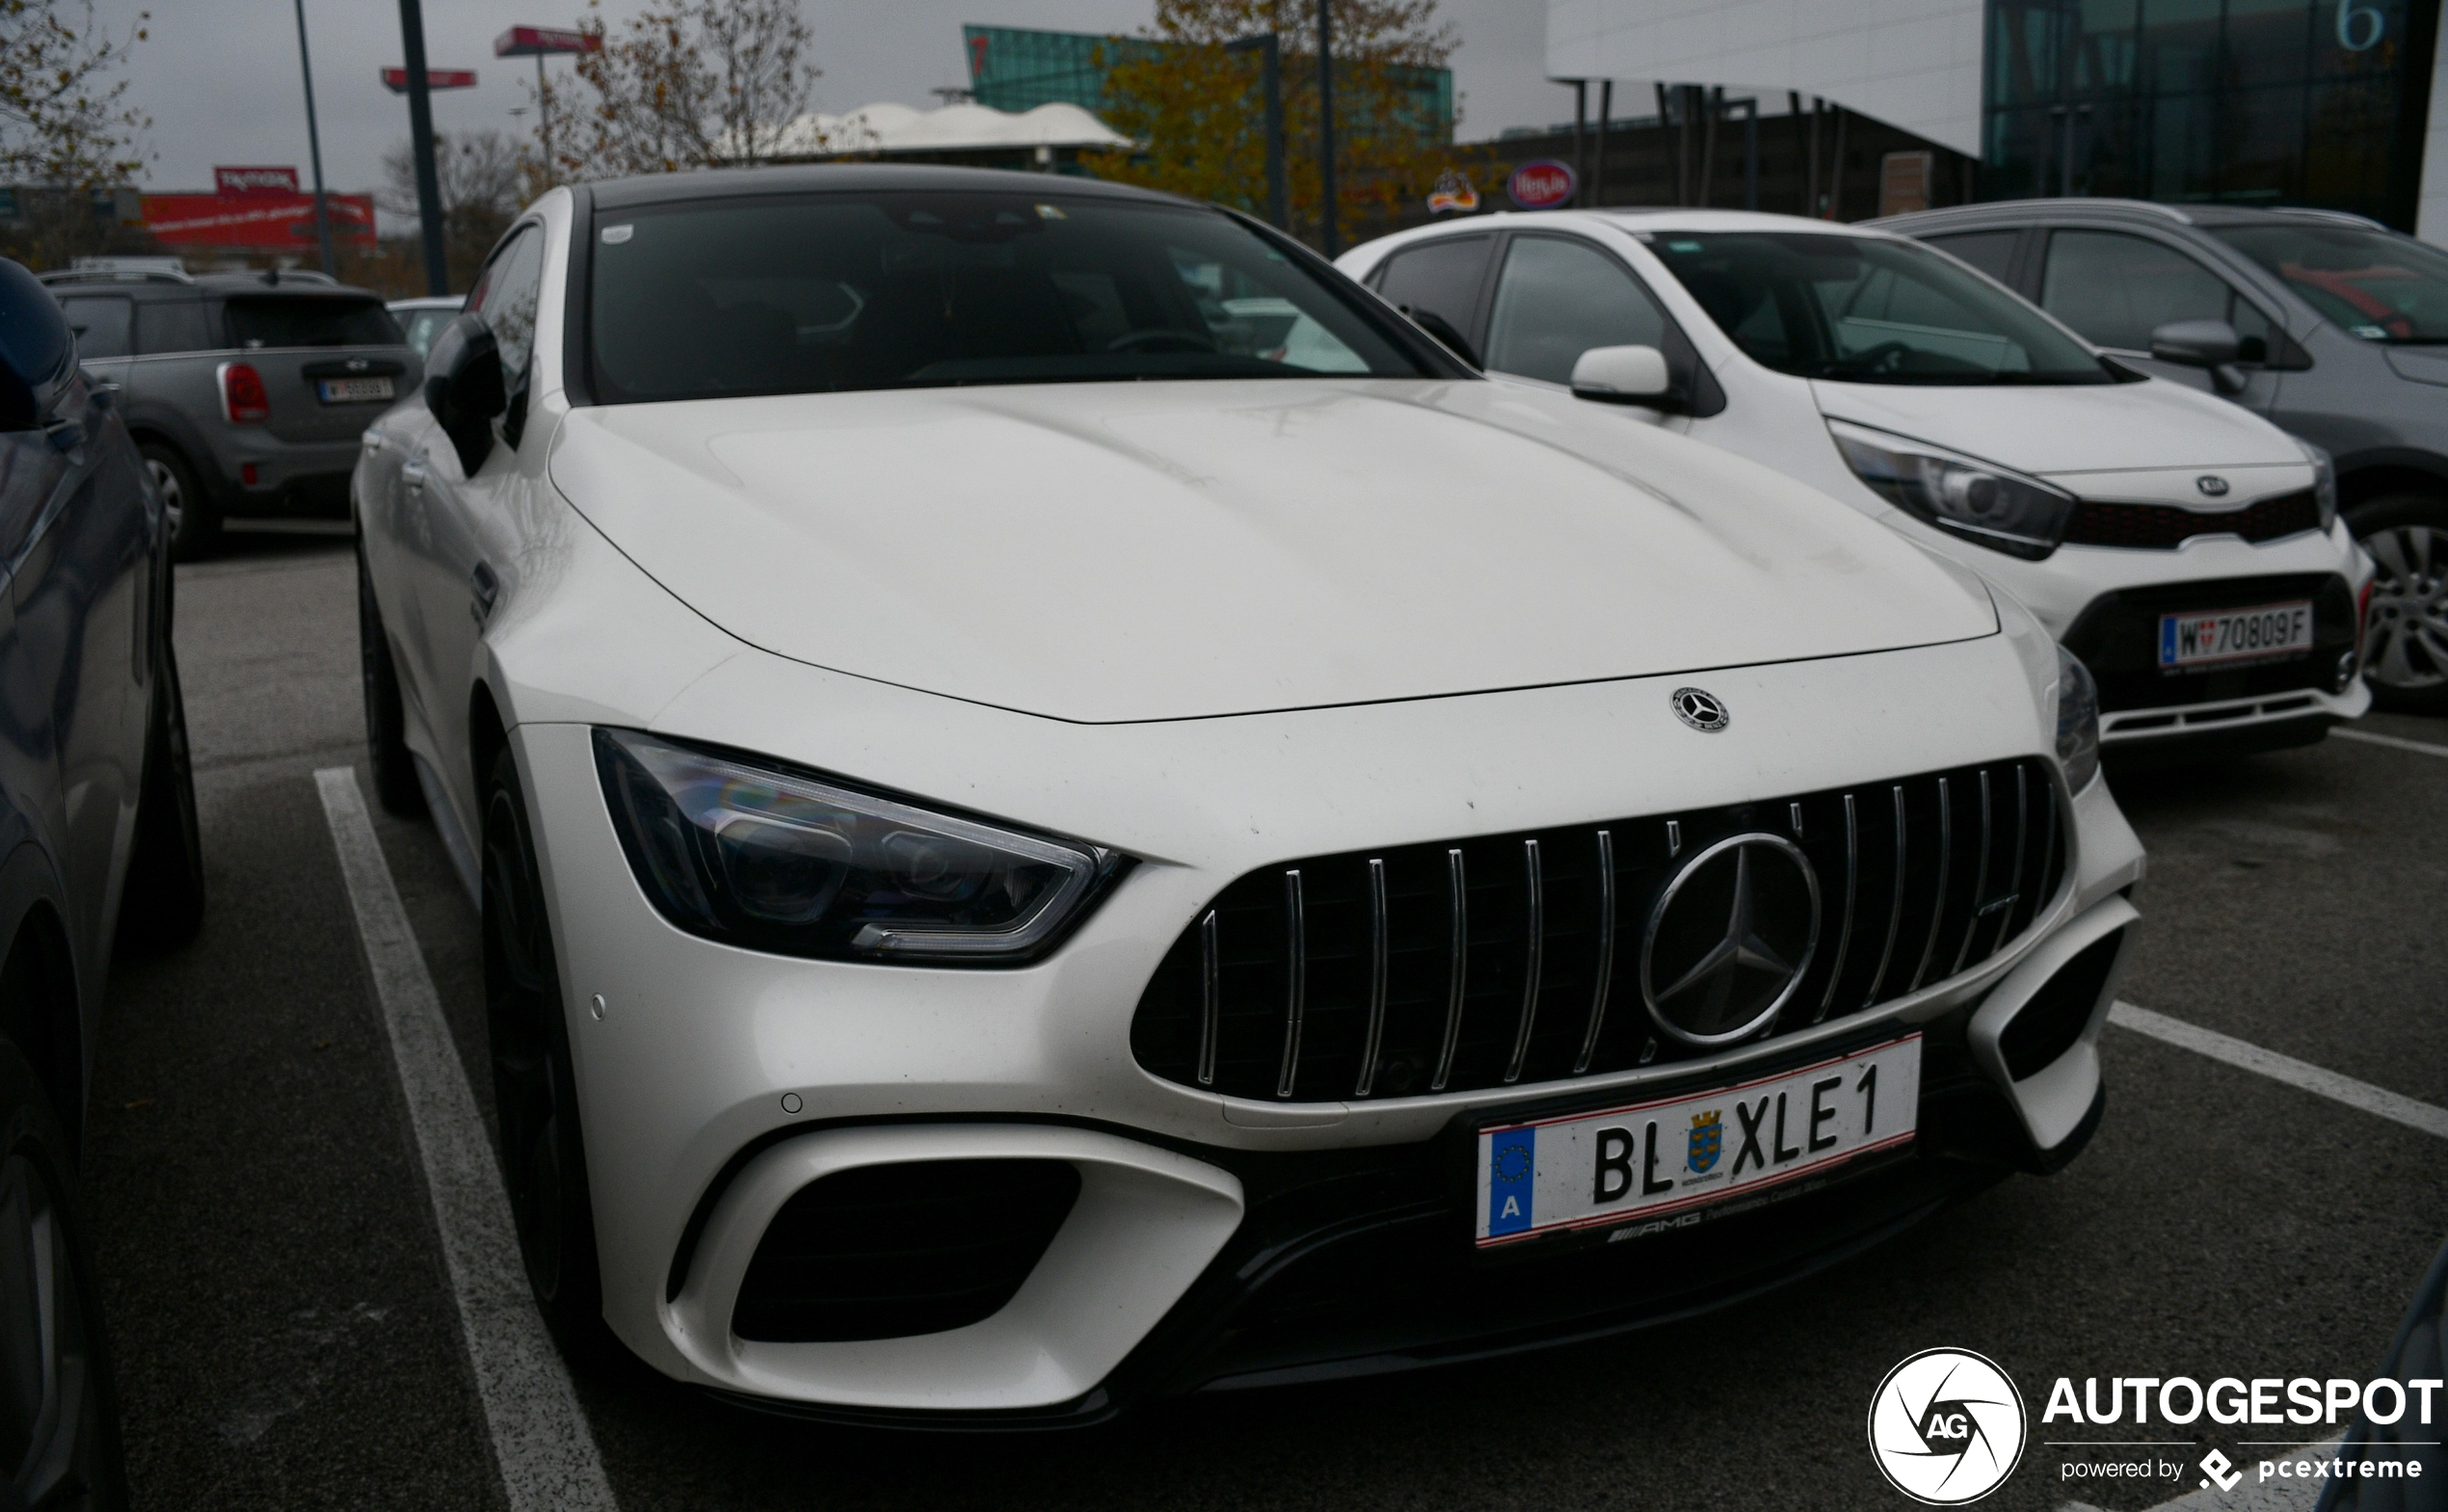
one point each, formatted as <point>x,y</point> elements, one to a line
<point>1623,375</point>
<point>464,387</point>
<point>2202,343</point>
<point>38,351</point>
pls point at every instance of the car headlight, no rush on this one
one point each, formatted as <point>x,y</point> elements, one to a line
<point>1980,501</point>
<point>2324,480</point>
<point>2077,721</point>
<point>775,860</point>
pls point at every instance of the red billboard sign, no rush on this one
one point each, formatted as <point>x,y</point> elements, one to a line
<point>537,42</point>
<point>255,180</point>
<point>255,220</point>
<point>395,80</point>
<point>1542,185</point>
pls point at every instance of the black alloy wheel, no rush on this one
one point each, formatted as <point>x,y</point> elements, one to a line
<point>2406,631</point>
<point>535,1093</point>
<point>195,520</point>
<point>59,1417</point>
<point>395,783</point>
<point>163,903</point>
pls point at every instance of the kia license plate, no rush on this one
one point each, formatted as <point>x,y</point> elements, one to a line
<point>1649,1161</point>
<point>2195,640</point>
<point>353,390</point>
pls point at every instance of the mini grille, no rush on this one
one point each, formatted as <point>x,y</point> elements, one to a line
<point>1515,959</point>
<point>2164,528</point>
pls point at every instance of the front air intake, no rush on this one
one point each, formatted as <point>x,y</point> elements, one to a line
<point>1539,956</point>
<point>888,1251</point>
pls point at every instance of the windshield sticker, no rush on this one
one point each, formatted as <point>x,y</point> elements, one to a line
<point>615,235</point>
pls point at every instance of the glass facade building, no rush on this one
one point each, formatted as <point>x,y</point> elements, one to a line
<point>2301,102</point>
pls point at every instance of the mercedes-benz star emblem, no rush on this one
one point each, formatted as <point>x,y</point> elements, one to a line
<point>1699,708</point>
<point>1730,939</point>
<point>2212,484</point>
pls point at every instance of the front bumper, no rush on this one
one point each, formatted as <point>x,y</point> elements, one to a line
<point>1218,1241</point>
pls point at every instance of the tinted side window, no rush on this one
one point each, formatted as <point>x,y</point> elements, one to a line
<point>2115,289</point>
<point>1556,299</point>
<point>100,325</point>
<point>1990,251</point>
<point>506,297</point>
<point>1442,277</point>
<point>172,326</point>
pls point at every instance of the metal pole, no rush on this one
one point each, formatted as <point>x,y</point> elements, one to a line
<point>1270,56</point>
<point>314,145</point>
<point>1836,170</point>
<point>1810,188</point>
<point>544,114</point>
<point>1716,106</point>
<point>1751,153</point>
<point>1598,167</point>
<point>420,133</point>
<point>1581,133</point>
<point>1326,209</point>
<point>1666,139</point>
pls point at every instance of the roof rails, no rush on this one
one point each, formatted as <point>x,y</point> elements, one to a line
<point>132,270</point>
<point>2342,217</point>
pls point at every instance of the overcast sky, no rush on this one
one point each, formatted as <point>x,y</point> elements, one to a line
<point>221,78</point>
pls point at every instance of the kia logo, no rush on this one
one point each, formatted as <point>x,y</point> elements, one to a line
<point>2212,484</point>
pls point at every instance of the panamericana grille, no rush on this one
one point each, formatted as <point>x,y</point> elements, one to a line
<point>2164,528</point>
<point>1516,958</point>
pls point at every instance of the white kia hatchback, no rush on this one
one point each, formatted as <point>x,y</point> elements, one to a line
<point>2187,551</point>
<point>1066,809</point>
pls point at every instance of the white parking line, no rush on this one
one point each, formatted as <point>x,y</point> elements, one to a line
<point>541,1440</point>
<point>2375,1101</point>
<point>2394,742</point>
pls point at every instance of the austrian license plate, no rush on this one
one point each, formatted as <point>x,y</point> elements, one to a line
<point>1647,1160</point>
<point>2193,640</point>
<point>353,390</point>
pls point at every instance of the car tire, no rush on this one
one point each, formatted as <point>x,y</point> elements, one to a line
<point>195,519</point>
<point>535,1089</point>
<point>58,1405</point>
<point>2406,633</point>
<point>395,783</point>
<point>162,906</point>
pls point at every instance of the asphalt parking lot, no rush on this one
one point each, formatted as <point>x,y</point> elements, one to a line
<point>286,1335</point>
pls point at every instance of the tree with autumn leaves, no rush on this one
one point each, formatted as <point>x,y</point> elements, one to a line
<point>1198,110</point>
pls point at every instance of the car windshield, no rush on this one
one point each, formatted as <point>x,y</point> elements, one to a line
<point>2374,284</point>
<point>827,293</point>
<point>308,321</point>
<point>1868,310</point>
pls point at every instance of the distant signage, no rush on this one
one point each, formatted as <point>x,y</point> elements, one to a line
<point>1453,192</point>
<point>255,220</point>
<point>255,180</point>
<point>538,41</point>
<point>1542,185</point>
<point>395,80</point>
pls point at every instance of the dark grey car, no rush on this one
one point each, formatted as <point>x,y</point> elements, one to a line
<point>2333,326</point>
<point>246,393</point>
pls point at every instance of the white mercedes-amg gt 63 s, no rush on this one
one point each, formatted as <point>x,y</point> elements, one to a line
<point>1067,810</point>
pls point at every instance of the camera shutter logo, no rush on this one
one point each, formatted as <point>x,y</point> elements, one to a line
<point>1947,1428</point>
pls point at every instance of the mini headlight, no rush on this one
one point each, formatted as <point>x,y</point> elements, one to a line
<point>2077,721</point>
<point>1980,501</point>
<point>2324,480</point>
<point>773,860</point>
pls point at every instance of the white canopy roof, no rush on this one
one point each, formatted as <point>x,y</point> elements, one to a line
<point>887,128</point>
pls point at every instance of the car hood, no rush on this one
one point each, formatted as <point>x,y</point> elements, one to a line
<point>1118,552</point>
<point>2087,428</point>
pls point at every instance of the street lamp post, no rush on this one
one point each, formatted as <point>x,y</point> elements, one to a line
<point>1326,127</point>
<point>1272,69</point>
<point>314,145</point>
<point>420,134</point>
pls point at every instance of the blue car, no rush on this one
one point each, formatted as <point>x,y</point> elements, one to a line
<point>98,852</point>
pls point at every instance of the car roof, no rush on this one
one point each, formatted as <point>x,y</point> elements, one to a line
<point>428,301</point>
<point>162,287</point>
<point>2140,211</point>
<point>725,184</point>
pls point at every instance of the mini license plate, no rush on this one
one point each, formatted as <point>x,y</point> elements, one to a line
<point>2192,640</point>
<point>1644,1159</point>
<point>353,390</point>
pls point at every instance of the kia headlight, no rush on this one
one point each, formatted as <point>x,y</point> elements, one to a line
<point>2077,721</point>
<point>1963,495</point>
<point>775,860</point>
<point>2324,480</point>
